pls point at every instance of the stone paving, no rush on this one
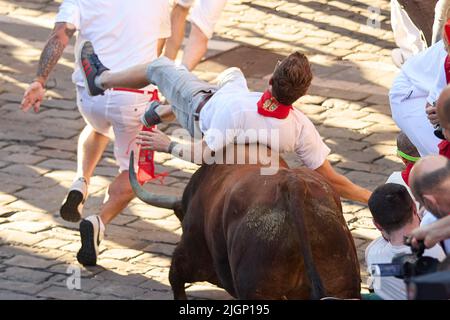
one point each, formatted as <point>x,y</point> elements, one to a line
<point>348,103</point>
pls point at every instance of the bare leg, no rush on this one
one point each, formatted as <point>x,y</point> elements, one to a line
<point>134,77</point>
<point>91,145</point>
<point>196,48</point>
<point>117,198</point>
<point>178,21</point>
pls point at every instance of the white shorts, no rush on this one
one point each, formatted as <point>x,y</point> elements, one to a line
<point>205,13</point>
<point>408,111</point>
<point>115,114</point>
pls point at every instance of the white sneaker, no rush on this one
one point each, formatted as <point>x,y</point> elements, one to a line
<point>92,231</point>
<point>397,57</point>
<point>72,206</point>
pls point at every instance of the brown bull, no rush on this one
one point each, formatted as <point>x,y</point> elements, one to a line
<point>261,237</point>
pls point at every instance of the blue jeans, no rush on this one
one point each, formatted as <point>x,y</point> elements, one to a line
<point>182,89</point>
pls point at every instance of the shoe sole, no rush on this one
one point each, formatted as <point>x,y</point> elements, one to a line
<point>86,256</point>
<point>80,64</point>
<point>69,210</point>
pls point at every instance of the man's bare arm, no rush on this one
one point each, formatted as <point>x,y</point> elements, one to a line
<point>433,233</point>
<point>342,185</point>
<point>53,50</point>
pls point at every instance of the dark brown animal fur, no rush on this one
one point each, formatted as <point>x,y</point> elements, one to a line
<point>264,237</point>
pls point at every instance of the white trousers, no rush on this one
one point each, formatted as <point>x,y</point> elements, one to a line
<point>115,114</point>
<point>407,36</point>
<point>408,111</point>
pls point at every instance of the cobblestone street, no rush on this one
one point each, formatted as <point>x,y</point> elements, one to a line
<point>348,102</point>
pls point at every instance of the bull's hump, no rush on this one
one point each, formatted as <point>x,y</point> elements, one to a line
<point>267,224</point>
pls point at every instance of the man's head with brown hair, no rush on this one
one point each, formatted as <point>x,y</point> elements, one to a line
<point>291,79</point>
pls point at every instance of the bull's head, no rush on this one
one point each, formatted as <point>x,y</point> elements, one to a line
<point>157,200</point>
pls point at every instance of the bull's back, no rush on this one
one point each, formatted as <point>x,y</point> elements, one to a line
<point>254,240</point>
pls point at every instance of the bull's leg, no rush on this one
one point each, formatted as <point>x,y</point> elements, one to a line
<point>176,274</point>
<point>190,263</point>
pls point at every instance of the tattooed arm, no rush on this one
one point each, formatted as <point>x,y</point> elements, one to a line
<point>53,50</point>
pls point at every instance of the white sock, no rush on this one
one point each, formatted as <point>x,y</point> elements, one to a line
<point>98,82</point>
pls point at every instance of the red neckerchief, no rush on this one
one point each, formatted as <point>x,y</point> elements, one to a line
<point>447,69</point>
<point>406,172</point>
<point>447,60</point>
<point>268,106</point>
<point>444,149</point>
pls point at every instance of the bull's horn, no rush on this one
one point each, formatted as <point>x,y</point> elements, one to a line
<point>157,200</point>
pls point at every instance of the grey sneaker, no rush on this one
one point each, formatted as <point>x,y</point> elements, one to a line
<point>150,118</point>
<point>91,67</point>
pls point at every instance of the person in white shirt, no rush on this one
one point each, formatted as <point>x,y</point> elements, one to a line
<point>413,94</point>
<point>114,26</point>
<point>204,16</point>
<point>395,215</point>
<point>225,113</point>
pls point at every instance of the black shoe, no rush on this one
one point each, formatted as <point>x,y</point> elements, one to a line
<point>150,118</point>
<point>91,67</point>
<point>72,207</point>
<point>91,235</point>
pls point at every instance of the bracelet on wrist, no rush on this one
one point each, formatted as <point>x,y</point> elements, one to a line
<point>172,145</point>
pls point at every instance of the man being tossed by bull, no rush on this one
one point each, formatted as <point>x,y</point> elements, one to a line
<point>224,113</point>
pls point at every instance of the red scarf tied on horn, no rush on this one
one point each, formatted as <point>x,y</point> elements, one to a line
<point>268,106</point>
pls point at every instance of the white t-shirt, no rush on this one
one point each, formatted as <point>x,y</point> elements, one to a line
<point>123,33</point>
<point>426,71</point>
<point>382,251</point>
<point>231,116</point>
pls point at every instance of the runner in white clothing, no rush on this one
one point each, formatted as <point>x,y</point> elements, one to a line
<point>114,26</point>
<point>225,113</point>
<point>413,94</point>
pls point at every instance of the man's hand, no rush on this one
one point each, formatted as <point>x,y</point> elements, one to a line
<point>432,234</point>
<point>33,97</point>
<point>154,140</point>
<point>432,114</point>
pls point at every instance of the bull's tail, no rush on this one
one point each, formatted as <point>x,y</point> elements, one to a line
<point>295,198</point>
